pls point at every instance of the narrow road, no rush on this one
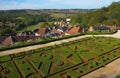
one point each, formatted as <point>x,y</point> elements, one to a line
<point>23,49</point>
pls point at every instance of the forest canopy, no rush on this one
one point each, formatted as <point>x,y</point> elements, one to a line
<point>104,16</point>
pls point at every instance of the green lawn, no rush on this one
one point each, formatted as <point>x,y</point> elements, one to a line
<point>33,27</point>
<point>118,76</point>
<point>72,59</point>
<point>10,70</point>
<point>26,68</point>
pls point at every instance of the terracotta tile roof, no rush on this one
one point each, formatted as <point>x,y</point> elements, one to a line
<point>8,41</point>
<point>74,30</point>
<point>42,32</point>
<point>55,31</point>
<point>111,27</point>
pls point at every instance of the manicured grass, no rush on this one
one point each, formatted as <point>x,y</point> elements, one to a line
<point>4,58</point>
<point>13,73</point>
<point>26,68</point>
<point>73,74</point>
<point>74,58</point>
<point>118,76</point>
<point>57,76</point>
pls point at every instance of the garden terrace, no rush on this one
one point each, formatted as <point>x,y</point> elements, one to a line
<point>24,41</point>
<point>72,59</point>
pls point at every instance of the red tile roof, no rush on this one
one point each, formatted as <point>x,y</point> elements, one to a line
<point>111,27</point>
<point>42,32</point>
<point>53,31</point>
<point>8,41</point>
<point>74,30</point>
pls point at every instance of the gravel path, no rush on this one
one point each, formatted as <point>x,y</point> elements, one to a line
<point>109,71</point>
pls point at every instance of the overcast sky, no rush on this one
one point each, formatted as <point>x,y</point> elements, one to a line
<point>54,4</point>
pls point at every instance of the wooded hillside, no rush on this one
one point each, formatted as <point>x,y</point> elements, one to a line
<point>104,16</point>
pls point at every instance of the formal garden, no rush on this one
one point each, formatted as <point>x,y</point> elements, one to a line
<point>67,60</point>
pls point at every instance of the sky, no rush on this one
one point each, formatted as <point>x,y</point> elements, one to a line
<point>54,4</point>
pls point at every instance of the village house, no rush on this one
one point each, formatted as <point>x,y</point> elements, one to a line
<point>43,32</point>
<point>63,23</point>
<point>92,28</point>
<point>74,30</point>
<point>35,31</point>
<point>68,21</point>
<point>63,29</point>
<point>111,27</point>
<point>9,40</point>
<point>26,33</point>
<point>56,33</point>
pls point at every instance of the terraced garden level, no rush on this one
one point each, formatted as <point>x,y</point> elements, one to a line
<point>67,60</point>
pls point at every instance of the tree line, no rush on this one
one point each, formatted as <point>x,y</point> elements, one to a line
<point>105,16</point>
<point>15,20</point>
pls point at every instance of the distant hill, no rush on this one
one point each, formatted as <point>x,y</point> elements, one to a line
<point>30,11</point>
<point>105,16</point>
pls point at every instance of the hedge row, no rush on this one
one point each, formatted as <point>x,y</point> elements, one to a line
<point>24,44</point>
<point>101,32</point>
